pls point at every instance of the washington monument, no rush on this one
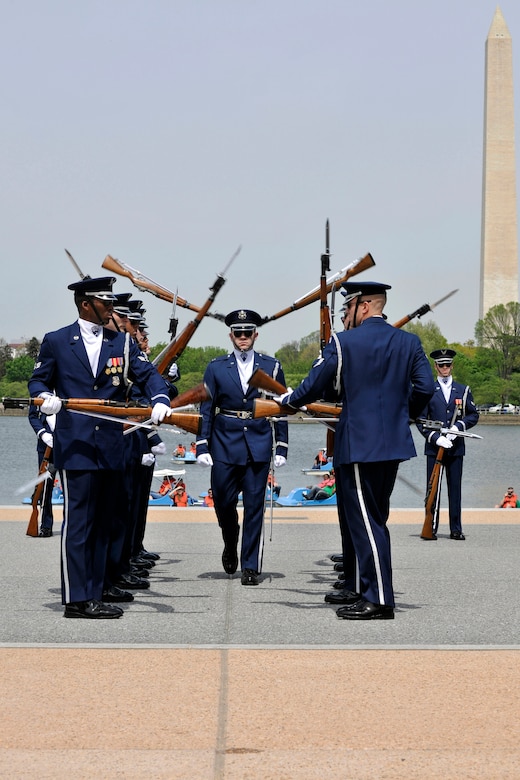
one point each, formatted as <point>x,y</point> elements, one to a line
<point>499,245</point>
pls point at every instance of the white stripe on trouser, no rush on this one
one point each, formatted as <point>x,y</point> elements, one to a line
<point>370,535</point>
<point>64,531</point>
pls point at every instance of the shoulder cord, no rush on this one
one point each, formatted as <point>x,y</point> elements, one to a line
<point>337,380</point>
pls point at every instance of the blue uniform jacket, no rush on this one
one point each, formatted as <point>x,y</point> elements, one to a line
<point>231,439</point>
<point>81,442</point>
<point>382,377</point>
<point>438,409</point>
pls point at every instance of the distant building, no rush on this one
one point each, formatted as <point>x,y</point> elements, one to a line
<point>17,349</point>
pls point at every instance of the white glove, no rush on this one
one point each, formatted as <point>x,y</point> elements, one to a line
<point>282,399</point>
<point>173,372</point>
<point>47,439</point>
<point>148,459</point>
<point>452,436</point>
<point>159,412</point>
<point>443,441</point>
<point>205,459</point>
<point>159,449</point>
<point>279,461</point>
<point>51,404</point>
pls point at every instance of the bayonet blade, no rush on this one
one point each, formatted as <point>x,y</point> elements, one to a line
<point>433,305</point>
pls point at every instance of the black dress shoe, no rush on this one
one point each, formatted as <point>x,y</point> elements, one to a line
<point>249,577</point>
<point>150,555</point>
<point>91,609</point>
<point>44,532</point>
<point>339,584</point>
<point>336,557</point>
<point>141,563</point>
<point>338,566</point>
<point>116,594</point>
<point>457,535</point>
<point>230,559</point>
<point>344,596</point>
<point>365,610</point>
<point>132,582</point>
<point>143,573</point>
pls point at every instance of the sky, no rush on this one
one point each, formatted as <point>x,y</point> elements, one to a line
<point>167,133</point>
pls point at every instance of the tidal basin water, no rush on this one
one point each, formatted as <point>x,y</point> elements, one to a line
<point>490,466</point>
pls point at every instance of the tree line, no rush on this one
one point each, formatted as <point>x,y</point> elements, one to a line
<point>490,364</point>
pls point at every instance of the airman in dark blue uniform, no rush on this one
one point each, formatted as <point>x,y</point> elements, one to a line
<point>382,377</point>
<point>239,448</point>
<point>452,404</point>
<point>87,360</point>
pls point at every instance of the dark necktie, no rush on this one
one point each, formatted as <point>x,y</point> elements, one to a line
<point>243,356</point>
<point>95,329</point>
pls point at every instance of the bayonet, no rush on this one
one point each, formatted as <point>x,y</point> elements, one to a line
<point>437,425</point>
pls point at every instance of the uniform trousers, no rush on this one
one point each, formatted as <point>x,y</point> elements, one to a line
<point>363,491</point>
<point>452,467</point>
<point>227,480</point>
<point>91,509</point>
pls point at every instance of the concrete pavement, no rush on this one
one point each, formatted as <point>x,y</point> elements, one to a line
<point>204,678</point>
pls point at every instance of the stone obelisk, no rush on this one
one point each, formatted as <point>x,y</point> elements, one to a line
<point>499,247</point>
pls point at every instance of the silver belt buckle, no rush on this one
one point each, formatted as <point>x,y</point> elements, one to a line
<point>243,415</point>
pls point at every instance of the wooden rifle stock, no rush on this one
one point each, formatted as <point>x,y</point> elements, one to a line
<point>185,420</point>
<point>196,395</point>
<point>263,407</point>
<point>354,268</point>
<point>267,408</point>
<point>143,283</point>
<point>32,528</point>
<point>428,529</point>
<point>431,498</point>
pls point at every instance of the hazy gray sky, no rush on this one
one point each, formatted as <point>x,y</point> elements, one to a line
<point>167,133</point>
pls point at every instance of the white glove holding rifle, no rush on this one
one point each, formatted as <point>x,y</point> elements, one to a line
<point>452,436</point>
<point>159,412</point>
<point>51,404</point>
<point>444,442</point>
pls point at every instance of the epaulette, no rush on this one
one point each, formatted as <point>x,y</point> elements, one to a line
<point>220,357</point>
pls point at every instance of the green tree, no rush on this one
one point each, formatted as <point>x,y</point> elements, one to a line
<point>500,330</point>
<point>429,334</point>
<point>19,369</point>
<point>6,354</point>
<point>32,348</point>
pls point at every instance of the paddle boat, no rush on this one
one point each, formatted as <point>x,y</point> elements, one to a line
<point>297,498</point>
<point>187,459</point>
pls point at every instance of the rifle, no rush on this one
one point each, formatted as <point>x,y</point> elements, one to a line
<point>356,267</point>
<point>424,309</point>
<point>432,491</point>
<point>263,407</point>
<point>32,528</point>
<point>120,409</point>
<point>325,321</point>
<point>325,327</point>
<point>176,347</point>
<point>268,408</point>
<point>144,283</point>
